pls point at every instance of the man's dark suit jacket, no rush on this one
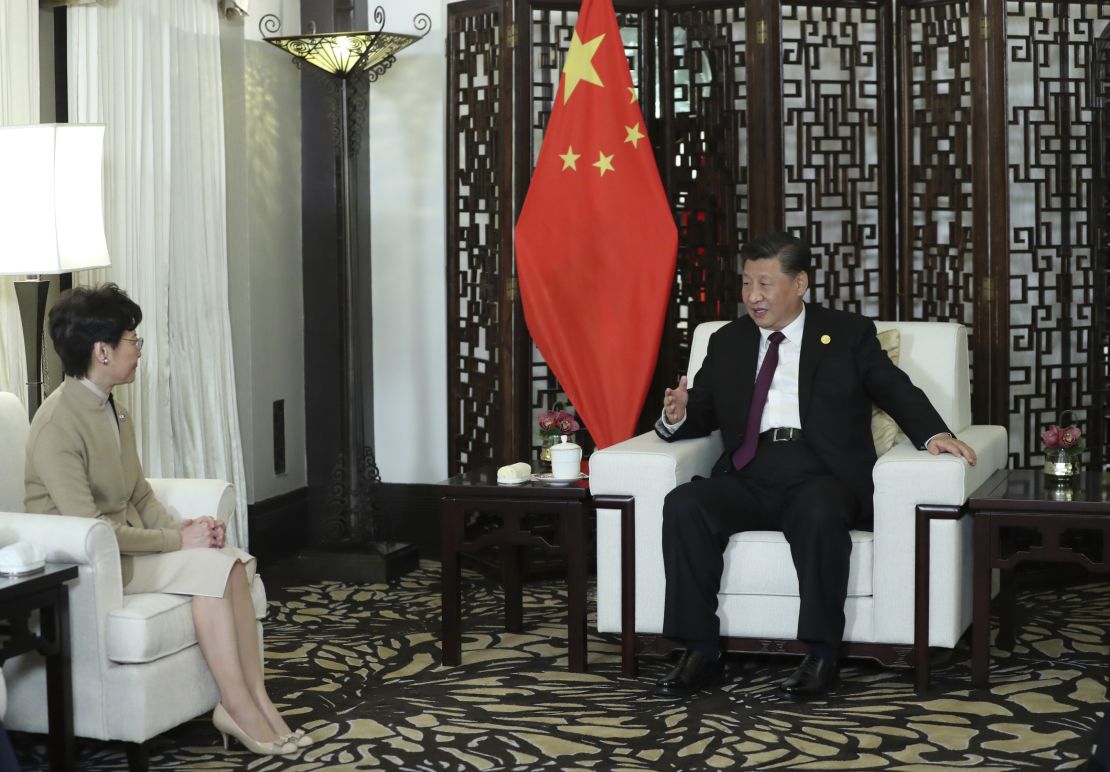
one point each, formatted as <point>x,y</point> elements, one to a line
<point>838,381</point>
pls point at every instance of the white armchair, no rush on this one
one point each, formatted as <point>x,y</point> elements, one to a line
<point>758,601</point>
<point>137,670</point>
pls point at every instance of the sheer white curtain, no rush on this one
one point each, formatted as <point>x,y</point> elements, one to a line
<point>151,73</point>
<point>19,104</point>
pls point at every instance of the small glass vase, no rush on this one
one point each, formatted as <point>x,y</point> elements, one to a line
<point>545,451</point>
<point>1061,465</point>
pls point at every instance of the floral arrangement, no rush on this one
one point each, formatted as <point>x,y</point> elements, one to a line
<point>557,421</point>
<point>1063,436</point>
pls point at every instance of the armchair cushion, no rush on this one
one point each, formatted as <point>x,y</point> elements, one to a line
<point>754,561</point>
<point>153,625</point>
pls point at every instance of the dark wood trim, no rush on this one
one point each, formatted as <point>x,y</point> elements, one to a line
<point>990,211</point>
<point>904,118</point>
<point>627,507</point>
<point>277,527</point>
<point>451,261</point>
<point>61,67</point>
<point>925,514</point>
<point>999,296</point>
<point>890,160</point>
<point>412,510</point>
<point>888,654</point>
<point>763,31</point>
<point>519,342</point>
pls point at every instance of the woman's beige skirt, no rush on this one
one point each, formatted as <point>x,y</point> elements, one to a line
<point>188,572</point>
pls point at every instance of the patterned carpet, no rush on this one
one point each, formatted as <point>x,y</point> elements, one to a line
<point>358,666</point>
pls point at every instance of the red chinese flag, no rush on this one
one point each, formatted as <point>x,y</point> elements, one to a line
<point>596,240</point>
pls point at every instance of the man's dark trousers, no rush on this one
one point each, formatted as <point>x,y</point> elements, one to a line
<point>785,488</point>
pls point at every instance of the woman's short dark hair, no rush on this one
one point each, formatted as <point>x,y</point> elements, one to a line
<point>793,253</point>
<point>84,316</point>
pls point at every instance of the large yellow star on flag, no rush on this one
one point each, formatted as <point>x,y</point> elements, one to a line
<point>604,163</point>
<point>634,135</point>
<point>580,64</point>
<point>570,159</point>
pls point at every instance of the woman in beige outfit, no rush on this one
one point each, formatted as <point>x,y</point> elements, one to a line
<point>81,460</point>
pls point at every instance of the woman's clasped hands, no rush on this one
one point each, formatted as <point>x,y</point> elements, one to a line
<point>202,532</point>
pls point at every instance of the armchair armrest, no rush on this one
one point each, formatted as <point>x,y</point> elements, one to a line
<point>86,541</point>
<point>97,591</point>
<point>905,477</point>
<point>646,463</point>
<point>648,468</point>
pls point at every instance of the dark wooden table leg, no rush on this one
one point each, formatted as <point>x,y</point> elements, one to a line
<point>451,529</point>
<point>574,548</point>
<point>627,507</point>
<point>925,515</point>
<point>921,602</point>
<point>628,588</point>
<point>514,594</point>
<point>59,686</point>
<point>1007,609</point>
<point>981,602</point>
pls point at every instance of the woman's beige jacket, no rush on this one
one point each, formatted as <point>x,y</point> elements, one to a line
<point>75,466</point>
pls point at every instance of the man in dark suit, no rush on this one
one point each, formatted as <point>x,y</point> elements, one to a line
<point>791,388</point>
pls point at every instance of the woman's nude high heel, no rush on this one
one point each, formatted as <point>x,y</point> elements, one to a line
<point>226,725</point>
<point>300,738</point>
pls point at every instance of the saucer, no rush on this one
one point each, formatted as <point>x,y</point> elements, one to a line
<point>512,480</point>
<point>547,479</point>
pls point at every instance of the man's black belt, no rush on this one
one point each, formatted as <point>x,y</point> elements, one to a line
<point>781,434</point>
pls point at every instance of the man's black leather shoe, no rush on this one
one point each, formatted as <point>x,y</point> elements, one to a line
<point>815,676</point>
<point>693,672</point>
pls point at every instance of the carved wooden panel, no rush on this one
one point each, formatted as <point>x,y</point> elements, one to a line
<point>477,266</point>
<point>1100,216</point>
<point>938,266</point>
<point>1054,257</point>
<point>834,114</point>
<point>705,138</point>
<point>900,187</point>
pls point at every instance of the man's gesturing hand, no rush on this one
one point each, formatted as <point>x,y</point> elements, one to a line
<point>674,402</point>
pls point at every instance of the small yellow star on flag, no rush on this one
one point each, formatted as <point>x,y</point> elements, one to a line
<point>634,135</point>
<point>580,65</point>
<point>604,163</point>
<point>570,159</point>
<point>631,94</point>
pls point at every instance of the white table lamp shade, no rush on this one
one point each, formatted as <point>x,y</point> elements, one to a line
<point>51,199</point>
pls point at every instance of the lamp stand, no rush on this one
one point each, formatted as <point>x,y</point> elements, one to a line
<point>358,555</point>
<point>31,296</point>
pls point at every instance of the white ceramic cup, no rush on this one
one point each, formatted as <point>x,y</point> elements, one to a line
<point>566,460</point>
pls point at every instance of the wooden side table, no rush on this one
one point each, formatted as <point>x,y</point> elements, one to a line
<point>1022,499</point>
<point>478,491</point>
<point>45,592</point>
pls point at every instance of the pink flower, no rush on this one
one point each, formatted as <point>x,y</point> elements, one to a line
<point>1051,436</point>
<point>567,423</point>
<point>1069,437</point>
<point>559,421</point>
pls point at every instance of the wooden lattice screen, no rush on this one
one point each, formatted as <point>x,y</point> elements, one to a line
<point>948,160</point>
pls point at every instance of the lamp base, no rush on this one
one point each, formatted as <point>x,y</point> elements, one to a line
<point>370,563</point>
<point>31,296</point>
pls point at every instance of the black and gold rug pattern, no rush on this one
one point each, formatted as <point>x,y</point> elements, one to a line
<point>358,666</point>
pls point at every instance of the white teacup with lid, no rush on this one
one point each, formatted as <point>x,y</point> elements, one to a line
<point>566,460</point>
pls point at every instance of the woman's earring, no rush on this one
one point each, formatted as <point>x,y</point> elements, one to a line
<point>104,360</point>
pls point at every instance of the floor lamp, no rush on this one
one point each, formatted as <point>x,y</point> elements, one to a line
<point>51,220</point>
<point>350,62</point>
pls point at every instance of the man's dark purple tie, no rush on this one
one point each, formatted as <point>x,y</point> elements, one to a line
<point>746,452</point>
